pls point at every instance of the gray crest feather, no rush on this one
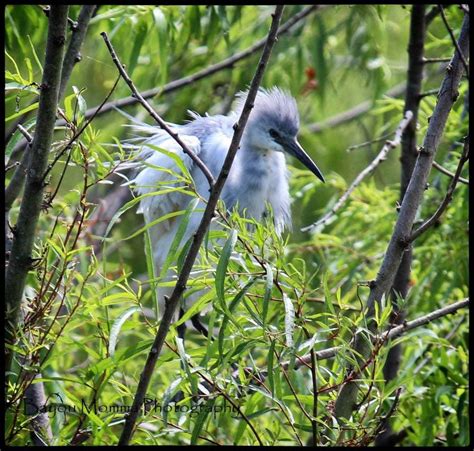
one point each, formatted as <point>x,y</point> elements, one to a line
<point>273,107</point>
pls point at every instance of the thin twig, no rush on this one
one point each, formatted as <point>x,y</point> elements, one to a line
<point>199,163</point>
<point>79,133</point>
<point>15,186</point>
<point>436,60</point>
<point>448,197</point>
<point>453,39</point>
<point>353,113</point>
<point>198,238</point>
<point>443,170</point>
<point>25,133</point>
<point>389,145</point>
<point>368,143</point>
<point>431,92</point>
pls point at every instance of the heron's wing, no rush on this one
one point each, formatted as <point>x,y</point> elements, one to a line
<point>158,171</point>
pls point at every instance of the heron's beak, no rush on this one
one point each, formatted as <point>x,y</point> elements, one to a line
<point>293,147</point>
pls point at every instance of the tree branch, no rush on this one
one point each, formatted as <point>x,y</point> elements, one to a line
<point>449,194</point>
<point>180,287</point>
<point>347,397</point>
<point>20,256</point>
<point>73,53</point>
<point>353,113</point>
<point>388,335</point>
<point>453,39</point>
<point>199,163</point>
<point>443,170</point>
<point>389,145</point>
<point>401,283</point>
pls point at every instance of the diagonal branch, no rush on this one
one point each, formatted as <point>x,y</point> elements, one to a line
<point>444,171</point>
<point>453,39</point>
<point>400,240</point>
<point>199,163</point>
<point>389,145</point>
<point>394,332</point>
<point>449,194</point>
<point>409,154</point>
<point>354,112</point>
<point>191,256</point>
<point>24,232</point>
<point>73,52</point>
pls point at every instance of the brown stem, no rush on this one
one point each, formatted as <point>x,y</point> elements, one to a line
<point>23,239</point>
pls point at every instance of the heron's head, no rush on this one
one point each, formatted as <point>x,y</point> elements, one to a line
<point>273,125</point>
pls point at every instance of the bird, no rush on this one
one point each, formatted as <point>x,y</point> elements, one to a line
<point>258,177</point>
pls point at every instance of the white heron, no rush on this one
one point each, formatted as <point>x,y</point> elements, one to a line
<point>258,177</point>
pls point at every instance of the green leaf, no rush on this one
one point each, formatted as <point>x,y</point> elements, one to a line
<point>153,223</point>
<point>163,44</point>
<point>289,320</point>
<point>268,291</point>
<point>35,55</point>
<point>151,270</point>
<point>27,109</point>
<point>270,380</point>
<point>117,325</point>
<point>221,269</point>
<point>172,253</point>
<point>203,414</point>
<point>81,102</point>
<point>140,34</point>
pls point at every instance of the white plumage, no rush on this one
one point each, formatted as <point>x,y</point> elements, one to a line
<point>258,176</point>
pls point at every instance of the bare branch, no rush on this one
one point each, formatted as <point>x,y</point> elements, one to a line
<point>409,154</point>
<point>436,60</point>
<point>449,194</point>
<point>73,53</point>
<point>443,170</point>
<point>199,163</point>
<point>353,113</point>
<point>180,287</point>
<point>389,145</point>
<point>453,38</point>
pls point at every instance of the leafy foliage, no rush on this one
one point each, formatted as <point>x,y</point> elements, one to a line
<point>91,313</point>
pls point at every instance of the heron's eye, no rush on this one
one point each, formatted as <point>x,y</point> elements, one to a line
<point>274,133</point>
